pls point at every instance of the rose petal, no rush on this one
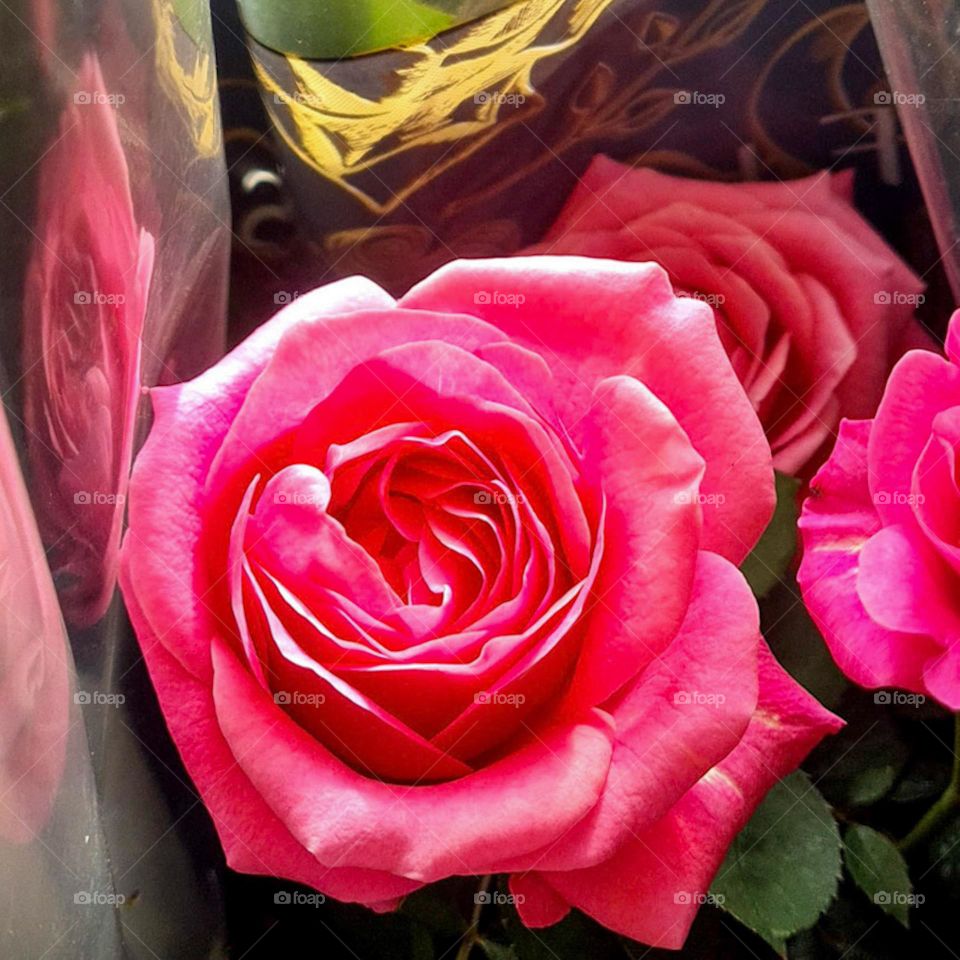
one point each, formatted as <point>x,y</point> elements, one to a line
<point>682,851</point>
<point>670,345</point>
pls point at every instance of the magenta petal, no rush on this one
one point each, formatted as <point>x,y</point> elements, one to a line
<point>839,517</point>
<point>650,475</point>
<point>651,887</point>
<point>682,717</point>
<point>592,319</point>
<point>254,839</point>
<point>170,472</point>
<point>920,387</point>
<point>906,586</point>
<point>423,833</point>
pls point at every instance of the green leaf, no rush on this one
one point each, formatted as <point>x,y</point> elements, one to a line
<point>770,558</point>
<point>330,29</point>
<point>782,870</point>
<point>879,870</point>
<point>497,951</point>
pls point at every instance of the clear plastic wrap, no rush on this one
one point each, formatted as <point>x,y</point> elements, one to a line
<point>116,224</point>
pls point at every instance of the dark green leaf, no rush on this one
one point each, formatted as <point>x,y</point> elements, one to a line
<point>771,556</point>
<point>782,870</point>
<point>879,870</point>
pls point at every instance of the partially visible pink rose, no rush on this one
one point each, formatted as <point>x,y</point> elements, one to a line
<point>448,586</point>
<point>812,306</point>
<point>84,306</point>
<point>34,671</point>
<point>881,534</point>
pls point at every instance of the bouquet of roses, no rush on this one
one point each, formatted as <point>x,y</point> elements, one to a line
<point>463,584</point>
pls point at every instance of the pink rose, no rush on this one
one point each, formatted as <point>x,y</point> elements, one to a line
<point>84,306</point>
<point>881,534</point>
<point>34,664</point>
<point>448,586</point>
<point>812,306</point>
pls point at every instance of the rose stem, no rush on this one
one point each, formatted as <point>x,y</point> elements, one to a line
<point>944,809</point>
<point>471,935</point>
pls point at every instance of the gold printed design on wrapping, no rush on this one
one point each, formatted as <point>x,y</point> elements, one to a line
<point>826,43</point>
<point>340,132</point>
<point>188,77</point>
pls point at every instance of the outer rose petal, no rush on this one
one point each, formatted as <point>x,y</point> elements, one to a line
<point>254,840</point>
<point>170,472</point>
<point>633,893</point>
<point>920,386</point>
<point>425,832</point>
<point>838,519</point>
<point>651,477</point>
<point>593,319</point>
<point>817,236</point>
<point>669,731</point>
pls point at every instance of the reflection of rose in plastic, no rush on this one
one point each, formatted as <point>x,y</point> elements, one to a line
<point>84,306</point>
<point>33,665</point>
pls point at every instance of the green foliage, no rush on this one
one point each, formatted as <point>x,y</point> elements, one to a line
<point>782,871</point>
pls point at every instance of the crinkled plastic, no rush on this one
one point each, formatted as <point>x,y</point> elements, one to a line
<point>115,220</point>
